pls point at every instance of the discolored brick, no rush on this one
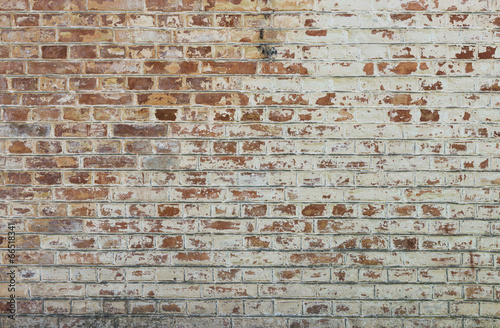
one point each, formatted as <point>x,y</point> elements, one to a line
<point>54,52</point>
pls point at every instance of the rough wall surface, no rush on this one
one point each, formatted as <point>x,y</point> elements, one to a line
<point>250,163</point>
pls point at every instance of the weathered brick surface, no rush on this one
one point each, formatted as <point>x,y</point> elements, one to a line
<point>251,163</point>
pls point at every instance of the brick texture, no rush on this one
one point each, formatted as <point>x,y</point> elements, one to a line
<point>251,163</point>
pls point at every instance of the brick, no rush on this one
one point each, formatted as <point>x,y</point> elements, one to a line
<point>48,99</point>
<point>29,35</point>
<point>54,52</point>
<point>85,35</point>
<point>110,162</point>
<point>81,193</point>
<point>125,130</point>
<point>105,99</point>
<point>11,67</point>
<point>155,67</point>
<point>134,5</point>
<point>24,130</point>
<point>56,5</point>
<point>163,99</point>
<point>109,67</point>
<point>83,51</point>
<point>140,83</point>
<point>59,67</point>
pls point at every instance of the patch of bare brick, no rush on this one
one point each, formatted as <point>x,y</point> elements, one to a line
<point>250,163</point>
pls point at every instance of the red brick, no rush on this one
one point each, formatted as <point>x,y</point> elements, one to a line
<point>175,67</point>
<point>105,99</point>
<point>81,193</point>
<point>163,99</point>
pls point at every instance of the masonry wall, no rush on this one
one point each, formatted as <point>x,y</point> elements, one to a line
<point>250,163</point>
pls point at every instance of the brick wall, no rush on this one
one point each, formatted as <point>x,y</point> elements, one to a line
<point>250,163</point>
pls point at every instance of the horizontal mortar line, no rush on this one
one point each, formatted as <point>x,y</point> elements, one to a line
<point>127,106</point>
<point>315,155</point>
<point>262,92</point>
<point>348,317</point>
<point>319,60</point>
<point>387,78</point>
<point>480,269</point>
<point>270,12</point>
<point>270,234</point>
<point>260,251</point>
<point>256,154</point>
<point>261,219</point>
<point>264,267</point>
<point>253,170</point>
<point>209,186</point>
<point>360,25</point>
<point>276,44</point>
<point>292,75</point>
<point>330,59</point>
<point>246,107</point>
<point>286,187</point>
<point>179,33</point>
<point>336,135</point>
<point>74,186</point>
<point>255,234</point>
<point>108,201</point>
<point>298,107</point>
<point>327,110</point>
<point>276,135</point>
<point>233,317</point>
<point>258,138</point>
<point>277,266</point>
<point>267,251</point>
<point>255,92</point>
<point>375,231</point>
<point>289,317</point>
<point>298,299</point>
<point>340,39</point>
<point>310,156</point>
<point>324,59</point>
<point>260,106</point>
<point>149,184</point>
<point>264,138</point>
<point>308,283</point>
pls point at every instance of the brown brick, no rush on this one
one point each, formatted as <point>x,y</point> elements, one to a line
<point>140,83</point>
<point>83,51</point>
<point>54,52</point>
<point>85,35</point>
